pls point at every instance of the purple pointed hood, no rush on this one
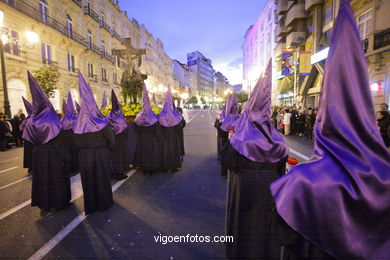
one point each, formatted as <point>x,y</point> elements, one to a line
<point>146,117</point>
<point>115,117</point>
<point>28,106</point>
<point>232,116</point>
<point>223,114</point>
<point>104,100</point>
<point>70,117</point>
<point>255,136</point>
<point>169,116</point>
<point>90,119</point>
<point>43,124</point>
<point>340,198</point>
<point>154,99</point>
<point>78,108</point>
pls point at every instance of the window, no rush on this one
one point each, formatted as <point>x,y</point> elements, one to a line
<point>90,70</point>
<point>114,78</point>
<point>364,23</point>
<point>44,11</point>
<point>102,48</point>
<point>71,63</point>
<point>46,54</point>
<point>69,26</point>
<point>104,75</point>
<point>13,45</point>
<point>327,12</point>
<point>102,18</point>
<point>89,40</point>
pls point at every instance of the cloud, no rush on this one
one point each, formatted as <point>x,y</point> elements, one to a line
<point>237,63</point>
<point>231,69</point>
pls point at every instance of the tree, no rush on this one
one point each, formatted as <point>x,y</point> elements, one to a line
<point>203,100</point>
<point>242,97</point>
<point>47,78</point>
<point>193,100</point>
<point>132,84</point>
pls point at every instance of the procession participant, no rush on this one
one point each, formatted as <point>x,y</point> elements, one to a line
<point>148,155</point>
<point>339,199</point>
<point>170,120</point>
<point>94,138</point>
<point>68,120</point>
<point>180,133</point>
<point>50,182</point>
<point>132,140</point>
<point>104,100</point>
<point>232,115</point>
<point>27,145</point>
<point>222,136</point>
<point>255,155</point>
<point>120,155</point>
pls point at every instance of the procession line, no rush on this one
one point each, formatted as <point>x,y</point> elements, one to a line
<point>44,250</point>
<point>9,169</point>
<point>12,183</point>
<point>304,157</point>
<point>76,193</point>
<point>193,117</point>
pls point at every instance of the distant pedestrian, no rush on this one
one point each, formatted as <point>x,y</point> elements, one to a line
<point>287,122</point>
<point>16,133</point>
<point>300,123</point>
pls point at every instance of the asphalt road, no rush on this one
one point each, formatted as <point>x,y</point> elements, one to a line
<point>191,201</point>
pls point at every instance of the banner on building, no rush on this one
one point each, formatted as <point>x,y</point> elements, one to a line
<point>287,63</point>
<point>304,63</point>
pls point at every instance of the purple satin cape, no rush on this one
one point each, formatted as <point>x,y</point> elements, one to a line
<point>223,114</point>
<point>70,116</point>
<point>90,119</point>
<point>28,106</point>
<point>78,108</point>
<point>169,117</point>
<point>255,136</point>
<point>104,100</point>
<point>115,118</point>
<point>146,117</point>
<point>232,116</point>
<point>340,198</point>
<point>43,124</point>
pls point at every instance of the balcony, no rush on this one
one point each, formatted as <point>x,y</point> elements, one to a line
<point>296,12</point>
<point>282,6</point>
<point>30,11</point>
<point>51,63</point>
<point>88,11</point>
<point>104,25</point>
<point>78,2</point>
<point>295,38</point>
<point>19,55</point>
<point>281,30</point>
<point>382,39</point>
<point>310,3</point>
<point>94,48</point>
<point>107,56</point>
<point>116,35</point>
<point>279,49</point>
<point>365,43</point>
<point>93,77</point>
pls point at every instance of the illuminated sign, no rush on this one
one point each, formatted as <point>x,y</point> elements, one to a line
<point>375,86</point>
<point>319,56</point>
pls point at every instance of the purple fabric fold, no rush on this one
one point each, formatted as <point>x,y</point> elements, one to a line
<point>340,198</point>
<point>70,116</point>
<point>28,106</point>
<point>169,116</point>
<point>146,117</point>
<point>78,107</point>
<point>255,136</point>
<point>232,116</point>
<point>104,100</point>
<point>90,119</point>
<point>115,118</point>
<point>43,124</point>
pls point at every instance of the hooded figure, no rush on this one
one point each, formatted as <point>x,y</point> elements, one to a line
<point>256,155</point>
<point>27,146</point>
<point>222,136</point>
<point>95,140</point>
<point>232,116</point>
<point>120,155</point>
<point>340,198</point>
<point>104,100</point>
<point>148,155</point>
<point>50,182</point>
<point>68,120</point>
<point>170,120</point>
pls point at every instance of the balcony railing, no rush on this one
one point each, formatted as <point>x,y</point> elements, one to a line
<point>94,48</point>
<point>93,77</point>
<point>88,11</point>
<point>78,2</point>
<point>365,45</point>
<point>297,11</point>
<point>32,12</point>
<point>116,35</point>
<point>73,70</point>
<point>282,6</point>
<point>107,56</point>
<point>310,3</point>
<point>382,39</point>
<point>51,63</point>
<point>20,56</point>
<point>104,25</point>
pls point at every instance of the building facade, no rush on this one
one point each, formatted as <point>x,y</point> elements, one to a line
<point>306,26</point>
<point>186,78</point>
<point>77,35</point>
<point>258,46</point>
<point>204,71</point>
<point>222,84</point>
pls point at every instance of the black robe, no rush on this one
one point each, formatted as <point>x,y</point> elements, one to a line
<point>27,154</point>
<point>95,168</point>
<point>50,181</point>
<point>148,154</point>
<point>70,147</point>
<point>180,134</point>
<point>132,141</point>
<point>249,202</point>
<point>120,155</point>
<point>222,137</point>
<point>170,152</point>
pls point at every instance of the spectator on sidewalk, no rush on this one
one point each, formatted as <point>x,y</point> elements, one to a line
<point>287,122</point>
<point>300,123</point>
<point>384,125</point>
<point>16,133</point>
<point>5,133</point>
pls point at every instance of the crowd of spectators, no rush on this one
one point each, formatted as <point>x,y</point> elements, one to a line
<point>10,130</point>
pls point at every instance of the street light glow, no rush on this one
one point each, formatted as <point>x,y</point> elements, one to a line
<point>32,37</point>
<point>4,39</point>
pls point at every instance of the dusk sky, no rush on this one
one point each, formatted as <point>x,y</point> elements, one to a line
<point>214,27</point>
